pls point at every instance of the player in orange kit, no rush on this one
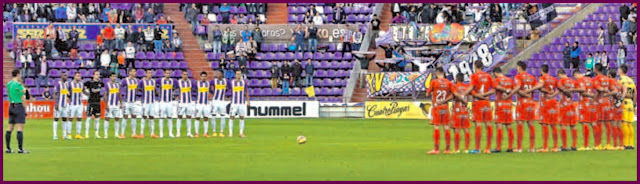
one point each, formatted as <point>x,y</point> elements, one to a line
<point>568,114</point>
<point>602,85</point>
<point>441,91</point>
<point>525,110</point>
<point>616,110</point>
<point>587,112</point>
<point>548,86</point>
<point>481,84</point>
<point>460,114</point>
<point>503,87</point>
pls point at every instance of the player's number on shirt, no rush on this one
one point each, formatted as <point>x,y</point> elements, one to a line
<point>441,95</point>
<point>527,87</point>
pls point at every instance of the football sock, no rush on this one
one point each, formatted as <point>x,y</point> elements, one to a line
<point>623,126</point>
<point>161,126</point>
<point>532,136</point>
<point>7,139</point>
<point>242,126</point>
<point>97,125</point>
<point>123,126</point>
<point>554,135</point>
<point>178,126</point>
<point>609,132</point>
<point>188,126</point>
<point>116,126</point>
<point>545,136</point>
<point>170,126</point>
<point>20,138</point>
<point>152,126</point>
<point>206,126</point>
<point>197,126</point>
<point>55,129</point>
<point>510,136</point>
<point>106,128</point>
<point>520,132</point>
<point>574,137</point>
<point>467,139</point>
<point>134,124</point>
<point>499,138</point>
<point>86,127</point>
<point>213,124</point>
<point>598,134</point>
<point>563,136</point>
<point>78,127</point>
<point>436,138</point>
<point>447,138</point>
<point>456,140</point>
<point>142,122</point>
<point>631,134</point>
<point>489,136</point>
<point>478,137</point>
<point>66,128</point>
<point>222,124</point>
<point>230,126</point>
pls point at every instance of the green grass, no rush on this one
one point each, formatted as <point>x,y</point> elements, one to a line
<point>337,149</point>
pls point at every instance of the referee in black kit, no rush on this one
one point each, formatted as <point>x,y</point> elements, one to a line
<point>17,113</point>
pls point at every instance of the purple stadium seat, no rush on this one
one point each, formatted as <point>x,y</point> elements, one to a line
<point>161,55</point>
<point>264,47</point>
<point>327,82</point>
<point>320,73</point>
<point>299,56</point>
<point>295,91</point>
<point>317,82</point>
<point>270,56</point>
<point>318,56</point>
<point>183,65</point>
<point>347,56</point>
<point>324,64</point>
<point>179,56</point>
<point>279,56</point>
<point>254,65</point>
<point>331,73</point>
<point>328,56</point>
<point>338,82</point>
<point>283,47</point>
<point>140,55</point>
<point>151,55</point>
<point>337,56</point>
<point>276,92</point>
<point>174,65</point>
<point>335,65</point>
<point>289,56</point>
<point>29,82</point>
<point>308,55</point>
<point>54,73</point>
<point>340,73</point>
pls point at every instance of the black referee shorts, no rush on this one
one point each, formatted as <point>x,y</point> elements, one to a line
<point>93,109</point>
<point>17,114</point>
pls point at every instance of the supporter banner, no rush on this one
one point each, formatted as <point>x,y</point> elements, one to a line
<point>284,32</point>
<point>439,33</point>
<point>86,31</point>
<point>283,109</point>
<point>541,14</point>
<point>381,83</point>
<point>490,51</point>
<point>41,109</point>
<point>396,110</point>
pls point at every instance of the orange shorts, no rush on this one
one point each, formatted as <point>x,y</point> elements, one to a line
<point>617,113</point>
<point>526,110</point>
<point>587,112</point>
<point>461,120</point>
<point>603,111</point>
<point>440,115</point>
<point>550,112</point>
<point>568,115</point>
<point>504,114</point>
<point>482,111</point>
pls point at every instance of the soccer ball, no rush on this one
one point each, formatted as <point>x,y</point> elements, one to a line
<point>302,139</point>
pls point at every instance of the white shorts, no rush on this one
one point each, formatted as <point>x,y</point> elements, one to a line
<point>150,110</point>
<point>185,109</point>
<point>238,110</point>
<point>219,107</point>
<point>75,111</point>
<point>131,109</point>
<point>166,109</point>
<point>203,110</point>
<point>62,112</point>
<point>114,112</point>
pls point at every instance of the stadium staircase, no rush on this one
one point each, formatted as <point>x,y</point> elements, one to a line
<point>557,32</point>
<point>193,53</point>
<point>277,13</point>
<point>7,64</point>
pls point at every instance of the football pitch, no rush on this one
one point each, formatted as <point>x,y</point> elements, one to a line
<point>337,149</point>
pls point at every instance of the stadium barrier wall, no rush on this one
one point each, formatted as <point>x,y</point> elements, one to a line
<point>417,109</point>
<point>274,33</point>
<point>86,31</point>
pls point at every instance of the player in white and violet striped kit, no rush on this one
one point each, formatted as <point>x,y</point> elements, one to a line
<point>60,109</point>
<point>114,105</point>
<point>75,103</point>
<point>165,107</point>
<point>149,108</point>
<point>131,110</point>
<point>218,103</point>
<point>185,107</point>
<point>203,108</point>
<point>239,102</point>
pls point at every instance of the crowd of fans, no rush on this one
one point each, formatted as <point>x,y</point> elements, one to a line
<point>206,13</point>
<point>86,12</point>
<point>435,13</point>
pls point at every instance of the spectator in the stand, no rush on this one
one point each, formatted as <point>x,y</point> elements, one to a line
<point>442,17</point>
<point>621,55</point>
<point>375,25</point>
<point>398,19</point>
<point>308,18</point>
<point>109,35</point>
<point>42,71</point>
<point>412,15</point>
<point>217,39</point>
<point>119,33</point>
<point>234,19</point>
<point>400,64</point>
<point>338,14</point>
<point>139,14</point>
<point>192,16</point>
<point>162,20</point>
<point>28,43</point>
<point>275,74</point>
<point>624,12</point>
<point>61,41</point>
<point>286,69</point>
<point>224,66</point>
<point>26,60</point>
<point>167,46</point>
<point>246,33</point>
<point>105,12</point>
<point>357,40</point>
<point>73,38</point>
<point>130,52</point>
<point>589,62</point>
<point>430,13</point>
<point>318,19</point>
<point>148,16</point>
<point>388,51</point>
<point>309,70</point>
<point>228,39</point>
<point>82,12</point>
<point>612,28</point>
<point>624,32</point>
<point>113,63</point>
<point>72,13</point>
<point>46,95</point>
<point>257,36</point>
<point>129,35</point>
<point>601,36</point>
<point>43,11</point>
<point>575,55</point>
<point>633,28</point>
<point>347,38</point>
<point>566,55</point>
<point>176,43</point>
<point>61,13</point>
<point>224,11</point>
<point>148,38</point>
<point>241,53</point>
<point>312,34</point>
<point>100,41</point>
<point>121,57</point>
<point>364,66</point>
<point>242,19</point>
<point>604,60</point>
<point>157,38</point>
<point>105,60</point>
<point>38,53</point>
<point>495,13</point>
<point>596,57</point>
<point>312,9</point>
<point>93,13</point>
<point>385,67</point>
<point>298,38</point>
<point>285,83</point>
<point>252,47</point>
<point>296,73</point>
<point>140,40</point>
